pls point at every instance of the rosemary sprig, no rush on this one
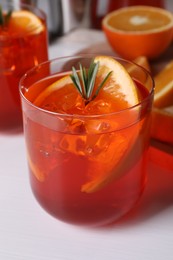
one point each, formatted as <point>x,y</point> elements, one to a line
<point>4,18</point>
<point>84,80</point>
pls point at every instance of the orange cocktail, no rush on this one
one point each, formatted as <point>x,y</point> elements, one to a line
<point>23,44</point>
<point>87,156</point>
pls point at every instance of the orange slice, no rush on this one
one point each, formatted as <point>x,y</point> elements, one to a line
<point>119,89</point>
<point>40,174</point>
<point>139,30</point>
<point>163,96</point>
<point>162,112</point>
<point>25,21</point>
<point>162,124</point>
<point>61,83</point>
<point>108,154</point>
<point>119,84</point>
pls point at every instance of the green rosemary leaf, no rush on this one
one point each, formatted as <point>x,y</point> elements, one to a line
<point>1,17</point>
<point>76,77</point>
<point>75,83</point>
<point>90,72</point>
<point>84,80</point>
<point>101,84</point>
<point>83,76</point>
<point>94,71</point>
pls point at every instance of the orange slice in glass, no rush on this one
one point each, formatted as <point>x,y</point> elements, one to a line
<point>24,21</point>
<point>108,154</point>
<point>119,89</point>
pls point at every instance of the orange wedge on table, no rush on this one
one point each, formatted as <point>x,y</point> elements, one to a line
<point>164,87</point>
<point>162,112</point>
<point>162,116</point>
<point>119,89</point>
<point>162,124</point>
<point>139,31</point>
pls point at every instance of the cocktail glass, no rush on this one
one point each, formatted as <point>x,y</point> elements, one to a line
<point>21,48</point>
<point>84,169</point>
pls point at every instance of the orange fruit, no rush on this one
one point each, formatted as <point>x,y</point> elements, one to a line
<point>139,31</point>
<point>163,96</point>
<point>119,90</point>
<point>162,112</point>
<point>162,124</point>
<point>25,21</point>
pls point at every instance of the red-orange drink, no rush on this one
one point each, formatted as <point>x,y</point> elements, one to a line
<point>23,44</point>
<point>86,166</point>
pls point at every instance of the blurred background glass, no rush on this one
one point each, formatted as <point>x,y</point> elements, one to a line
<point>66,15</point>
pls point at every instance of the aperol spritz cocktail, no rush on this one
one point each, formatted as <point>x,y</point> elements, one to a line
<point>87,158</point>
<point>23,44</point>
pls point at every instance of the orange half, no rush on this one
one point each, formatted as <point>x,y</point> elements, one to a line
<point>139,31</point>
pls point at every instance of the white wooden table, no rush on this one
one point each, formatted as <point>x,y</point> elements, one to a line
<point>27,232</point>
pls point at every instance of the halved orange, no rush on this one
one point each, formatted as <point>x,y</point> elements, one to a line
<point>139,31</point>
<point>24,21</point>
<point>108,155</point>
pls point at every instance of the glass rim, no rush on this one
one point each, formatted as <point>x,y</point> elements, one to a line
<point>65,115</point>
<point>18,6</point>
